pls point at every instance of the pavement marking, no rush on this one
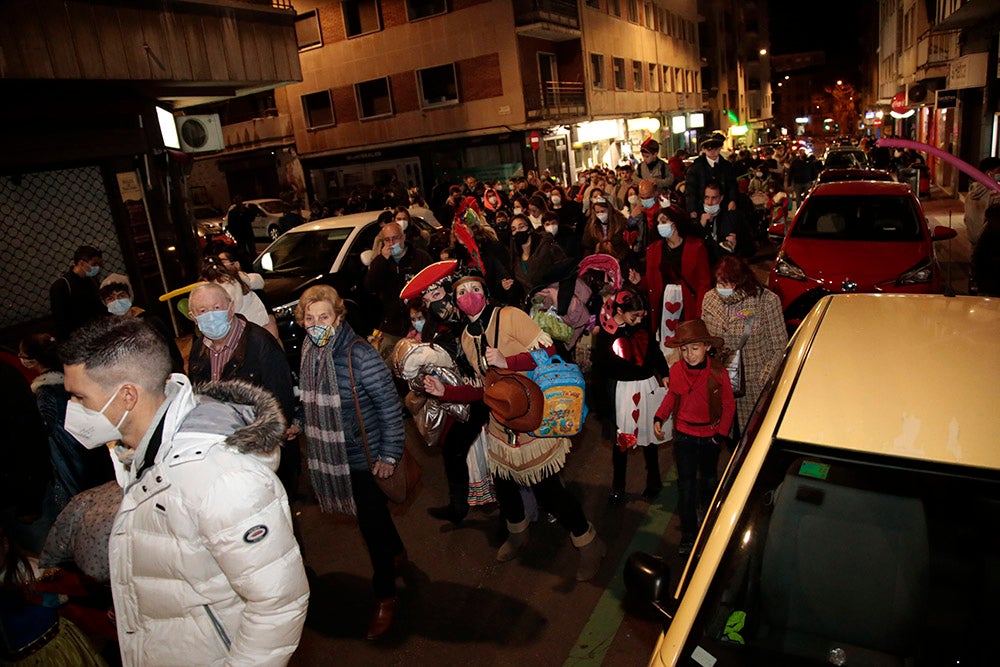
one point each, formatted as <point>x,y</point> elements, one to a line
<point>599,632</point>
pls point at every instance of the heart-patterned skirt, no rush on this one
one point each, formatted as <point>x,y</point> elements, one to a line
<point>636,403</point>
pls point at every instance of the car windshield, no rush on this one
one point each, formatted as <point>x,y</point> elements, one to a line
<point>274,207</point>
<point>845,160</point>
<point>308,253</point>
<point>858,218</point>
<point>850,561</point>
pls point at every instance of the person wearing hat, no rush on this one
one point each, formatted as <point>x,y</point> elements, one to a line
<point>653,167</point>
<point>700,398</point>
<point>443,327</point>
<point>710,166</point>
<point>497,342</point>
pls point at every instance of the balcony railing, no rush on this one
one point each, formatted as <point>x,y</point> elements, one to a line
<point>562,12</point>
<point>557,98</point>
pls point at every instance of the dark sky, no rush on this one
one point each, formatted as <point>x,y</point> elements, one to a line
<point>838,28</point>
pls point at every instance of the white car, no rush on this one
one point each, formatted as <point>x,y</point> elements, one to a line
<point>857,522</point>
<point>267,223</point>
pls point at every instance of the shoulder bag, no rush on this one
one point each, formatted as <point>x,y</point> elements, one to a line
<point>399,486</point>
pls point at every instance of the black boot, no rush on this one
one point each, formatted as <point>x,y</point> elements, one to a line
<point>449,513</point>
<point>654,484</point>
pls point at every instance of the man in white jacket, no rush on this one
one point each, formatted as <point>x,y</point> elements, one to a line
<point>204,566</point>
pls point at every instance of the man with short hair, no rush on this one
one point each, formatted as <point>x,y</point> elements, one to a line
<point>74,296</point>
<point>626,179</point>
<point>204,566</point>
<point>717,226</point>
<point>388,273</point>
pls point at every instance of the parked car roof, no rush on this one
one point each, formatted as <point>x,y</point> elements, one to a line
<point>838,188</point>
<point>853,174</point>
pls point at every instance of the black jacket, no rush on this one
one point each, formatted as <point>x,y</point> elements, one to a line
<point>75,301</point>
<point>700,173</point>
<point>258,359</point>
<point>386,278</point>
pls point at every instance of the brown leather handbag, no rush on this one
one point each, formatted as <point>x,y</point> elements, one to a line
<point>400,485</point>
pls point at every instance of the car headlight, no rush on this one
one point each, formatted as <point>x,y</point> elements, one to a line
<point>286,311</point>
<point>921,273</point>
<point>786,268</point>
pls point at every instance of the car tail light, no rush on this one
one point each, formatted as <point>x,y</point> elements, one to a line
<point>786,268</point>
<point>921,273</point>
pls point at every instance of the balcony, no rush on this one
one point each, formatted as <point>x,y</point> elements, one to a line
<point>556,99</point>
<point>259,132</point>
<point>934,53</point>
<point>551,20</point>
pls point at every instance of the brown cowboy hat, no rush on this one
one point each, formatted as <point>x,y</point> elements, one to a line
<point>516,401</point>
<point>694,331</point>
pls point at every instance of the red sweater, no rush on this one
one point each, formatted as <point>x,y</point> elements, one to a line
<point>690,387</point>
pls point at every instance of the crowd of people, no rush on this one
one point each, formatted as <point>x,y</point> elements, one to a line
<point>636,274</point>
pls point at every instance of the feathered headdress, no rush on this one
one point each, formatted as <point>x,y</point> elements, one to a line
<point>464,237</point>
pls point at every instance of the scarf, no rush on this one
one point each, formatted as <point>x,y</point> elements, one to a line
<point>326,445</point>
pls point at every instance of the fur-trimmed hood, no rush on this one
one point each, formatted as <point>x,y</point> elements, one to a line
<point>250,415</point>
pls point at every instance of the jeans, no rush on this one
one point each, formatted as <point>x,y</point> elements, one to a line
<point>551,495</point>
<point>697,476</point>
<point>378,531</point>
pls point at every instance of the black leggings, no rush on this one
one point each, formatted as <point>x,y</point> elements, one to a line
<point>378,531</point>
<point>551,495</point>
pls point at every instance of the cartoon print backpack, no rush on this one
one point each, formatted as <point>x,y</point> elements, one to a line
<point>564,389</point>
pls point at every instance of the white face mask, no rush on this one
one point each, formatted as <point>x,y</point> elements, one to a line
<point>603,217</point>
<point>665,229</point>
<point>90,427</point>
<point>552,229</point>
<point>556,200</point>
<point>403,224</point>
<point>517,210</point>
<point>536,220</point>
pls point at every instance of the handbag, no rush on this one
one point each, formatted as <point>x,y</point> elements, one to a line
<point>737,374</point>
<point>399,486</point>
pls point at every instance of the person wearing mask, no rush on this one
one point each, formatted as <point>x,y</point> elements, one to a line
<point>626,181</point>
<point>537,206</point>
<point>717,227</point>
<point>238,285</point>
<point>708,167</point>
<point>202,555</point>
<point>605,231</point>
<point>653,168</point>
<point>532,254</point>
<point>570,212</point>
<point>748,317</point>
<point>565,238</point>
<point>74,296</point>
<point>676,258</point>
<point>116,293</point>
<point>231,348</point>
<point>389,271</point>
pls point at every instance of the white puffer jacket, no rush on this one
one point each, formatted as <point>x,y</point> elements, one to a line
<point>204,567</point>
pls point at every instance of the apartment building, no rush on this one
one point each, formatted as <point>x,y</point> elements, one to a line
<point>429,90</point>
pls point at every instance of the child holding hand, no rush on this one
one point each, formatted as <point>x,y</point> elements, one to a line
<point>700,398</point>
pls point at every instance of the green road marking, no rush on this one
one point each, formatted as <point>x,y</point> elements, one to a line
<point>602,626</point>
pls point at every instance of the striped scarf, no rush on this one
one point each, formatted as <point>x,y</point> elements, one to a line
<point>326,445</point>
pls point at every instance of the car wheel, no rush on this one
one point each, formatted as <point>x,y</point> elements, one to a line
<point>273,232</point>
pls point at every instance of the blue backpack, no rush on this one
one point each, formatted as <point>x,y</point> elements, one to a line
<point>564,389</point>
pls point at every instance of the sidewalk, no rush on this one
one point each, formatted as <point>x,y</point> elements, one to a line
<point>954,256</point>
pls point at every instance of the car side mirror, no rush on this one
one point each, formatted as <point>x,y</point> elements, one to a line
<point>942,233</point>
<point>647,579</point>
<point>776,233</point>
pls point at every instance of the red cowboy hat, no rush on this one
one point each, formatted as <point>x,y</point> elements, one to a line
<point>429,275</point>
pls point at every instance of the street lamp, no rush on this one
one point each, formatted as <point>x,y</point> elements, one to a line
<point>840,82</point>
<point>786,77</point>
<point>763,52</point>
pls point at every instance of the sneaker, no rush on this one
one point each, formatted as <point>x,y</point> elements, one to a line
<point>686,545</point>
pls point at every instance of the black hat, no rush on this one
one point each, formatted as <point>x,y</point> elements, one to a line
<point>714,140</point>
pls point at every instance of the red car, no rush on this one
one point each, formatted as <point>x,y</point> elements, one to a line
<point>855,236</point>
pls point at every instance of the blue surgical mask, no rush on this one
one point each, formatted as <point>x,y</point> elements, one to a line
<point>119,306</point>
<point>93,271</point>
<point>665,229</point>
<point>713,209</point>
<point>648,203</point>
<point>396,250</point>
<point>724,291</point>
<point>321,334</point>
<point>214,324</point>
<point>419,325</point>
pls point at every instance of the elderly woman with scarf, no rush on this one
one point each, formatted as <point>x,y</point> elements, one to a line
<point>503,337</point>
<point>354,432</point>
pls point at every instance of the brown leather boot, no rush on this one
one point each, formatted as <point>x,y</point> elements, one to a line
<point>382,617</point>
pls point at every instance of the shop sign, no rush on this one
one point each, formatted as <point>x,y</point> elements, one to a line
<point>946,99</point>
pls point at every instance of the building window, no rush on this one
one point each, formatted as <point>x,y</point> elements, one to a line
<point>618,66</point>
<point>318,110</point>
<point>633,10</point>
<point>595,4</point>
<point>307,30</point>
<point>649,16</point>
<point>361,17</point>
<point>421,9</point>
<point>636,75</point>
<point>374,100</point>
<point>668,79</point>
<point>438,85</point>
<point>616,7</point>
<point>597,70</point>
<point>697,82</point>
<point>679,80</point>
<point>654,78</point>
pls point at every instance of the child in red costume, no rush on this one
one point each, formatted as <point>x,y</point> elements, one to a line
<point>703,398</point>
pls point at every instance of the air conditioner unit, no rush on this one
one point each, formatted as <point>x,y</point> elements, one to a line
<point>200,134</point>
<point>917,94</point>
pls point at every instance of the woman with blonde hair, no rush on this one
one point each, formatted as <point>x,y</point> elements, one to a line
<point>354,433</point>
